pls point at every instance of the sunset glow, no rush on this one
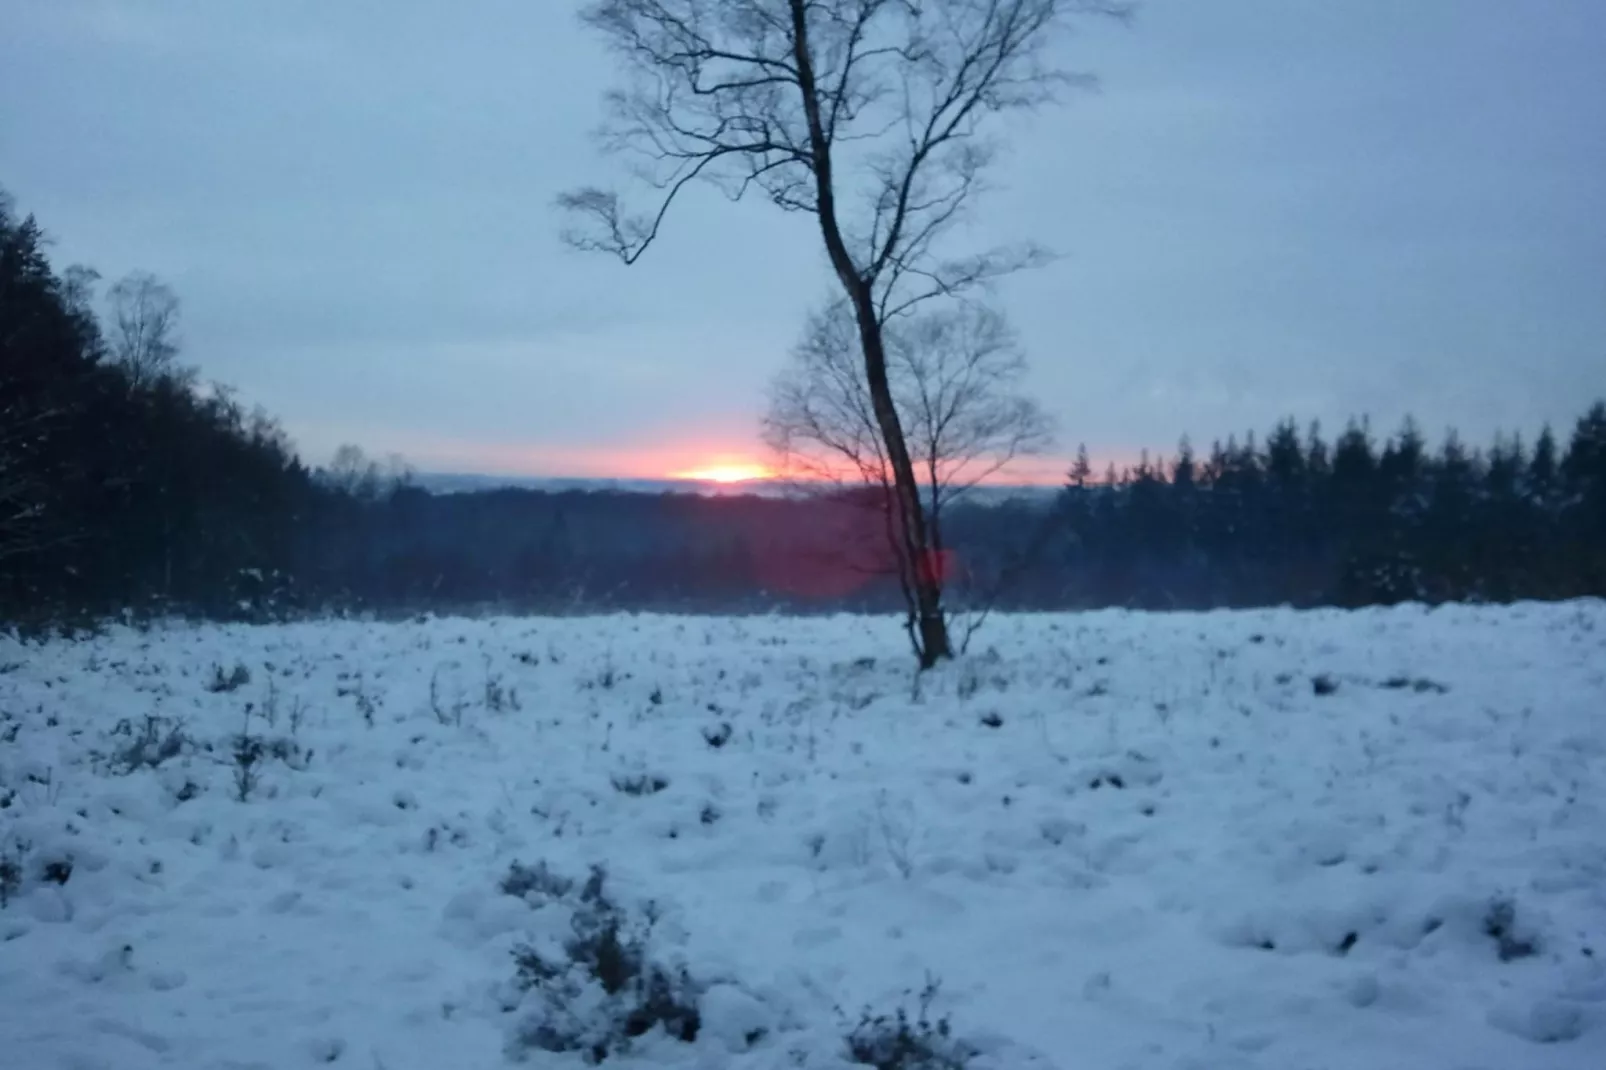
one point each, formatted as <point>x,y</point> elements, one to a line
<point>714,460</point>
<point>741,472</point>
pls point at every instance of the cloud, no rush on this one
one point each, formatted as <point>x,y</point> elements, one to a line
<point>1266,209</point>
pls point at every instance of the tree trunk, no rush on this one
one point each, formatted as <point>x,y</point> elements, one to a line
<point>916,553</point>
<point>922,584</point>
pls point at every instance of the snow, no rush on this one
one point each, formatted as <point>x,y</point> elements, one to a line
<point>1116,840</point>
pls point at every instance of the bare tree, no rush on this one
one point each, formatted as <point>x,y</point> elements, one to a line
<point>78,289</point>
<point>867,114</point>
<point>955,378</point>
<point>351,471</point>
<point>144,326</point>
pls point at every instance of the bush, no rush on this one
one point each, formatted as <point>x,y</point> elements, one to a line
<point>10,877</point>
<point>235,679</point>
<point>901,1041</point>
<point>249,752</point>
<point>640,783</point>
<point>158,740</point>
<point>604,990</point>
<point>521,880</point>
<point>1500,925</point>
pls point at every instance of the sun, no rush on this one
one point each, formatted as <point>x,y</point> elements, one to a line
<point>743,472</point>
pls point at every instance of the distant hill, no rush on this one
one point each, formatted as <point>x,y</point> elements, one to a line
<point>471,482</point>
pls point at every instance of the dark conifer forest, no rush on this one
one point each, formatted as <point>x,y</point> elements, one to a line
<point>130,489</point>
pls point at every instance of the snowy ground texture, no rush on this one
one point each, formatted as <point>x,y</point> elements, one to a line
<point>1232,841</point>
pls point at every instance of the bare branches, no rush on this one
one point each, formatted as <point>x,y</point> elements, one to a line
<point>958,373</point>
<point>143,326</point>
<point>870,115</point>
<point>870,111</point>
<point>953,277</point>
<point>710,93</point>
<point>955,377</point>
<point>352,472</point>
<point>821,419</point>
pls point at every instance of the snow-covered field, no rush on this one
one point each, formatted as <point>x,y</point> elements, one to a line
<point>1271,840</point>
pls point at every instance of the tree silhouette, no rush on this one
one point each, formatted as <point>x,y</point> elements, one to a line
<point>869,115</point>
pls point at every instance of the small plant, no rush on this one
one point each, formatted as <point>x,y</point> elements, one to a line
<point>498,697</point>
<point>233,680</point>
<point>606,678</point>
<point>1499,924</point>
<point>359,692</point>
<point>48,781</point>
<point>366,706</point>
<point>298,713</point>
<point>1419,684</point>
<point>247,752</point>
<point>992,719</point>
<point>1323,684</point>
<point>11,873</point>
<point>901,1041</point>
<point>521,880</point>
<point>640,783</point>
<point>446,715</point>
<point>270,704</point>
<point>158,740</point>
<point>718,735</point>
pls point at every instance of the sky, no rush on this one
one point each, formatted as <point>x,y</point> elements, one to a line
<point>1267,208</point>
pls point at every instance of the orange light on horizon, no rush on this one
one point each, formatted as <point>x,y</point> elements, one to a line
<point>722,460</point>
<point>737,472</point>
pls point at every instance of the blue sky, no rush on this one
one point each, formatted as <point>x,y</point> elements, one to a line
<point>1269,207</point>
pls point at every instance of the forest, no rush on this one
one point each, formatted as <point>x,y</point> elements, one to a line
<point>131,489</point>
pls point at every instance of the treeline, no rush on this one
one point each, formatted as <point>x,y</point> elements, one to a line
<point>124,482</point>
<point>129,487</point>
<point>1352,522</point>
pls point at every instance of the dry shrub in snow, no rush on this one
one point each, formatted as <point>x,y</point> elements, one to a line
<point>233,680</point>
<point>905,1041</point>
<point>603,990</point>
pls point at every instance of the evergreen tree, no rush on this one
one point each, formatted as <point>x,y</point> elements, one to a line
<point>1544,474</point>
<point>1082,469</point>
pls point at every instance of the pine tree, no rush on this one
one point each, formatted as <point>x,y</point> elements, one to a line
<point>1184,471</point>
<point>1543,485</point>
<point>1584,472</point>
<point>1082,469</point>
